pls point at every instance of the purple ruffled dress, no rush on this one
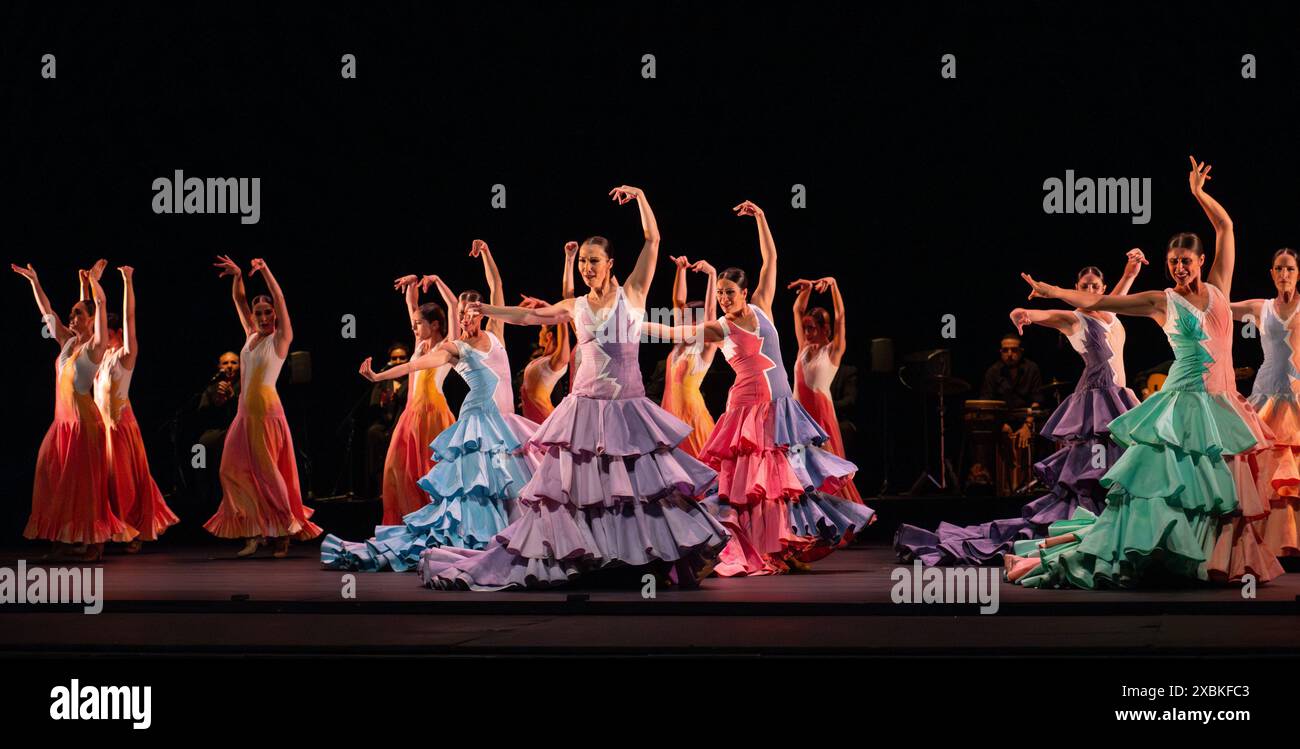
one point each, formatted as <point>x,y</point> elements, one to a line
<point>613,487</point>
<point>1081,424</point>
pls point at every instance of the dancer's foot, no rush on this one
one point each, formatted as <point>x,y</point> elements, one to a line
<point>250,546</point>
<point>92,553</point>
<point>281,547</point>
<point>134,547</point>
<point>798,566</point>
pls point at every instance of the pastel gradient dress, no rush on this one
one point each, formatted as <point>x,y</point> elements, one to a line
<point>535,390</point>
<point>1081,427</point>
<point>259,473</point>
<point>71,503</point>
<point>1185,476</point>
<point>772,472</point>
<point>425,416</point>
<point>613,488</point>
<point>813,374</point>
<point>1276,398</point>
<point>481,466</point>
<point>682,396</point>
<point>133,491</point>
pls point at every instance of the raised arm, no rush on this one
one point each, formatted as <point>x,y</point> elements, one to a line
<point>838,343</point>
<point>60,331</point>
<point>710,289</point>
<point>803,290</point>
<point>443,353</point>
<point>765,289</point>
<point>98,339</point>
<point>637,285</point>
<point>237,294</point>
<point>1135,262</point>
<point>679,288</point>
<point>129,349</point>
<point>570,254</point>
<point>496,291</point>
<point>1225,242</point>
<point>409,285</point>
<point>449,301</point>
<point>1065,322</point>
<point>83,281</point>
<point>283,327</point>
<point>1143,304</point>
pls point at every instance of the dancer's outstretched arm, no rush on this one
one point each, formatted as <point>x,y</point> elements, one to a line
<point>711,332</point>
<point>444,353</point>
<point>60,331</point>
<point>560,356</point>
<point>1248,308</point>
<point>1225,242</point>
<point>99,339</point>
<point>1131,269</point>
<point>129,348</point>
<point>551,314</point>
<point>1066,322</point>
<point>448,300</point>
<point>1142,304</point>
<point>496,291</point>
<point>283,327</point>
<point>638,281</point>
<point>765,289</point>
<point>229,268</point>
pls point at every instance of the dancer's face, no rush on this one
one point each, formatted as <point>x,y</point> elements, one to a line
<point>730,296</point>
<point>1011,352</point>
<point>594,265</point>
<point>228,365</point>
<point>470,322</point>
<point>264,318</point>
<point>813,332</point>
<point>1184,266</point>
<point>80,321</point>
<point>422,328</point>
<point>1091,283</point>
<point>1284,273</point>
<point>545,338</point>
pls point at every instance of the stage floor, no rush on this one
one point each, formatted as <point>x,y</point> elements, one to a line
<point>203,600</point>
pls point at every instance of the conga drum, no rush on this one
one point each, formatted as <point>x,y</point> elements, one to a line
<point>982,422</point>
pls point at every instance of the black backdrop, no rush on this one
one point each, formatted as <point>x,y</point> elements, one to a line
<point>924,195</point>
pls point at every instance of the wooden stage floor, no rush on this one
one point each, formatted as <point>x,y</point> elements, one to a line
<point>202,600</point>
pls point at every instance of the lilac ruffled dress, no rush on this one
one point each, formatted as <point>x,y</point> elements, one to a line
<point>1081,425</point>
<point>613,487</point>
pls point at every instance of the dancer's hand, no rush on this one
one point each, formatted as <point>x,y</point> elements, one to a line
<point>680,261</point>
<point>27,272</point>
<point>257,264</point>
<point>822,284</point>
<point>227,266</point>
<point>473,309</point>
<point>367,371</point>
<point>428,281</point>
<point>128,273</point>
<point>702,266</point>
<point>1020,318</point>
<point>404,283</point>
<point>478,247</point>
<point>531,302</point>
<point>570,249</point>
<point>1136,259</point>
<point>1038,288</point>
<point>626,193</point>
<point>97,270</point>
<point>801,286</point>
<point>747,208</point>
<point>1199,175</point>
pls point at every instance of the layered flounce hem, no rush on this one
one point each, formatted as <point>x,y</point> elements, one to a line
<point>1239,550</point>
<point>553,543</point>
<point>586,480</point>
<point>767,537</point>
<point>618,427</point>
<point>466,522</point>
<point>1193,421</point>
<point>741,430</point>
<point>232,525</point>
<point>1088,413</point>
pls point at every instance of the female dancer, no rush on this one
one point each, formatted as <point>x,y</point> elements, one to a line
<point>551,361</point>
<point>426,413</point>
<point>481,461</point>
<point>1081,424</point>
<point>766,447</point>
<point>1188,448</point>
<point>689,362</point>
<point>1277,390</point>
<point>134,493</point>
<point>820,353</point>
<point>613,488</point>
<point>70,495</point>
<point>260,498</point>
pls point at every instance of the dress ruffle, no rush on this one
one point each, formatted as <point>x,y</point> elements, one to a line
<point>628,426</point>
<point>1279,472</point>
<point>1194,421</point>
<point>750,428</point>
<point>1088,413</point>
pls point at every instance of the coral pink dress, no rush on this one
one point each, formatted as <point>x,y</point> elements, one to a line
<point>1277,399</point>
<point>535,390</point>
<point>771,471</point>
<point>682,397</point>
<point>813,373</point>
<point>409,457</point>
<point>259,477</point>
<point>134,493</point>
<point>70,494</point>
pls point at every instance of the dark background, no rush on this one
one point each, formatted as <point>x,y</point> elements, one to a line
<point>924,194</point>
